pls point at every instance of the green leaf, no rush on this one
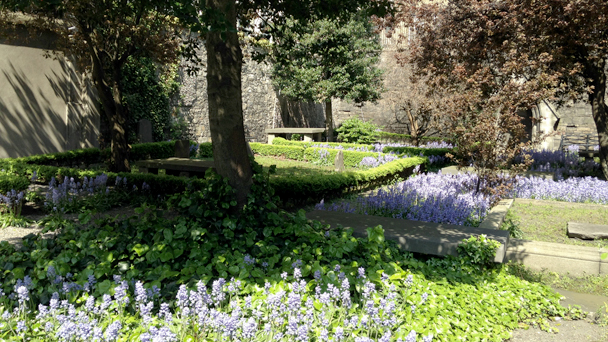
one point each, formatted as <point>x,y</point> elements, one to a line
<point>234,270</point>
<point>166,256</point>
<point>140,249</point>
<point>168,235</point>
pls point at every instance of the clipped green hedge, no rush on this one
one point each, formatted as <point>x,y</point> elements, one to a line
<point>307,144</point>
<point>287,151</point>
<point>351,158</point>
<point>417,151</point>
<point>10,182</point>
<point>159,184</point>
<point>205,150</point>
<point>396,137</point>
<point>314,188</point>
<point>88,156</point>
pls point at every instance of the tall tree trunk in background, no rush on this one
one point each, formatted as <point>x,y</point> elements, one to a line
<point>599,109</point>
<point>329,120</point>
<point>224,63</point>
<point>111,101</point>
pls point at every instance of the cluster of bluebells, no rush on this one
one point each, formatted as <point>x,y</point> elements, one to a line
<point>431,198</point>
<point>322,157</point>
<point>287,311</point>
<point>563,164</point>
<point>381,159</point>
<point>433,144</point>
<point>438,160</point>
<point>194,149</point>
<point>62,196</point>
<point>13,201</point>
<point>574,189</point>
<point>362,148</point>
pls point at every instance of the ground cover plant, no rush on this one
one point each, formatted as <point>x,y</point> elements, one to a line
<point>453,199</point>
<point>433,197</point>
<point>564,164</point>
<point>574,189</point>
<point>548,220</point>
<point>326,275</point>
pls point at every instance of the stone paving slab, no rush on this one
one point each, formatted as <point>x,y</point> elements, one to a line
<point>414,236</point>
<point>587,231</point>
<point>557,257</point>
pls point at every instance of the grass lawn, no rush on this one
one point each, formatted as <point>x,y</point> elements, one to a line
<point>288,167</point>
<point>548,220</point>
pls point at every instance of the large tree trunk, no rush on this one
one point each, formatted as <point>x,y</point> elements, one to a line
<point>600,111</point>
<point>111,101</point>
<point>118,123</point>
<point>224,63</point>
<point>329,120</point>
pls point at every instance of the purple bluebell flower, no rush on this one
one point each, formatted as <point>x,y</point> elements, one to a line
<point>165,313</point>
<point>23,294</point>
<point>339,334</point>
<point>411,337</point>
<point>424,297</point>
<point>249,260</point>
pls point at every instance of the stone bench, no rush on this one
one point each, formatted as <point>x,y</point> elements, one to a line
<point>414,236</point>
<point>310,134</point>
<point>176,166</point>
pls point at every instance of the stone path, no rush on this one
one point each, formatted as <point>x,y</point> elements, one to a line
<point>586,330</point>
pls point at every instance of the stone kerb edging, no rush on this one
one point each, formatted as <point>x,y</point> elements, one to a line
<point>496,216</point>
<point>538,255</point>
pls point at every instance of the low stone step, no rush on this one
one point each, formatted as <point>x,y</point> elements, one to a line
<point>414,236</point>
<point>557,257</point>
<point>587,231</point>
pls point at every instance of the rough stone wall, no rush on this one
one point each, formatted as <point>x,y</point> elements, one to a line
<point>263,107</point>
<point>573,118</point>
<point>382,112</point>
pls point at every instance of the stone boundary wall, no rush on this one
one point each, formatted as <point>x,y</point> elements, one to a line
<point>46,104</point>
<point>263,107</point>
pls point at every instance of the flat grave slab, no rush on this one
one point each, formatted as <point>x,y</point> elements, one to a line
<point>414,236</point>
<point>587,231</point>
<point>176,166</point>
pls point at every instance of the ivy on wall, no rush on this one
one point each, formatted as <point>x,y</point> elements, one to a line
<point>148,90</point>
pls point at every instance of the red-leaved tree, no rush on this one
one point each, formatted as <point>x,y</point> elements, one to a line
<point>512,53</point>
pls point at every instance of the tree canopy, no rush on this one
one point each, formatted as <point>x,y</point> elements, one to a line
<point>513,53</point>
<point>101,36</point>
<point>104,33</point>
<point>326,59</point>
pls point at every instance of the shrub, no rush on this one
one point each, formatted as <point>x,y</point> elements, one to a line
<point>351,158</point>
<point>354,130</point>
<point>307,144</point>
<point>478,250</point>
<point>10,182</point>
<point>314,188</point>
<point>286,151</point>
<point>404,138</point>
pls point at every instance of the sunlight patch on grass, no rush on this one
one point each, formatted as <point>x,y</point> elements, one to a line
<point>548,220</point>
